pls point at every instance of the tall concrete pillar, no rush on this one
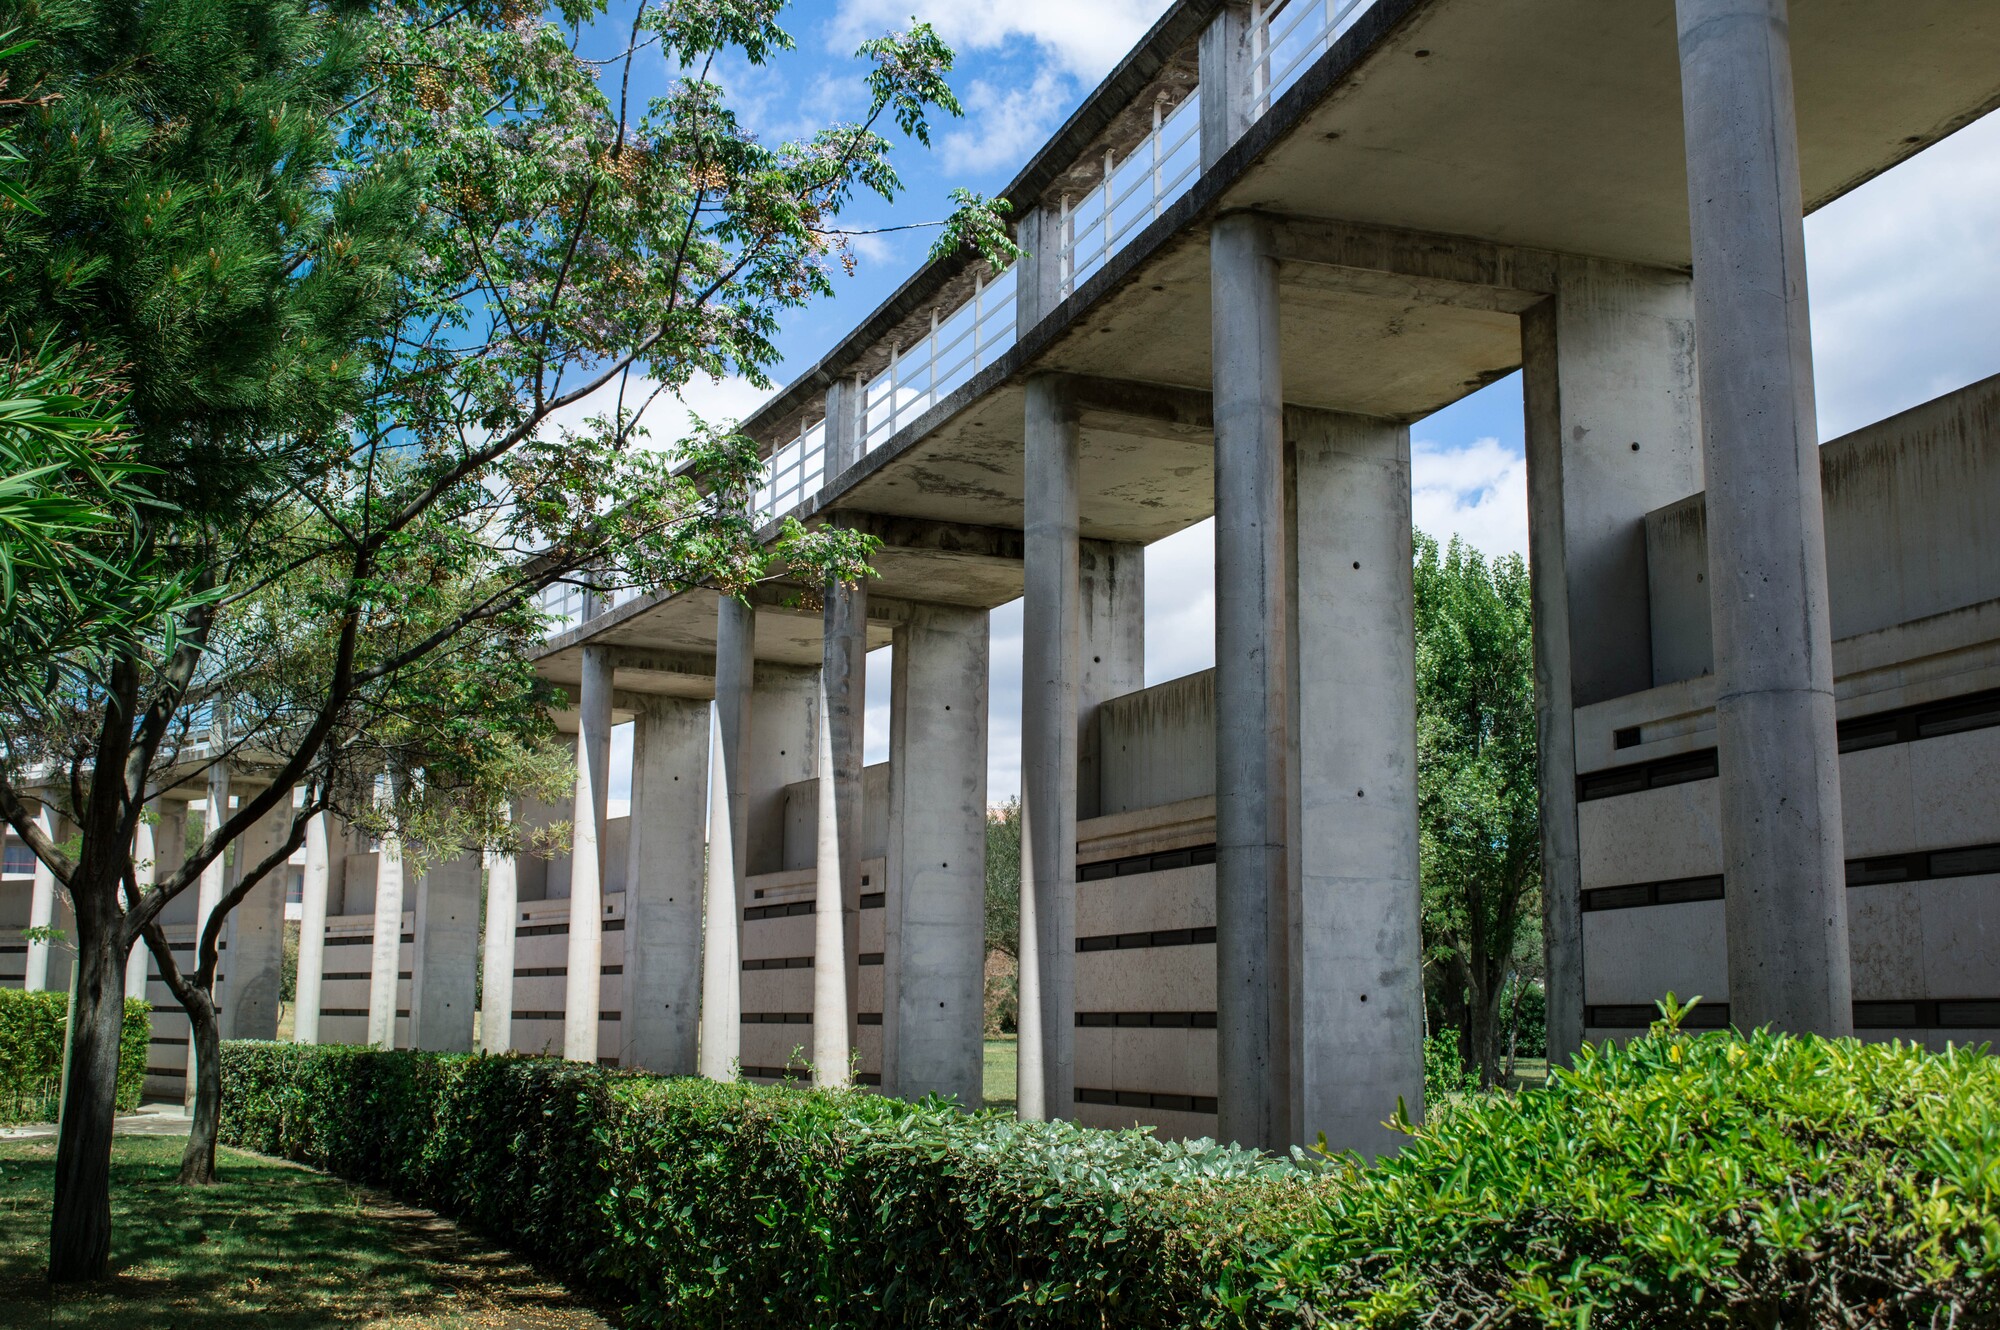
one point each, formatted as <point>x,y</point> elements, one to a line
<point>1228,74</point>
<point>445,961</point>
<point>582,990</point>
<point>41,909</point>
<point>252,996</point>
<point>1356,964</point>
<point>385,959</point>
<point>934,976</point>
<point>314,885</point>
<point>1251,748</point>
<point>1111,647</point>
<point>837,918</point>
<point>496,988</point>
<point>1613,432</point>
<point>1050,685</point>
<point>728,830</point>
<point>215,874</point>
<point>783,750</point>
<point>663,874</point>
<point>168,834</point>
<point>145,873</point>
<point>1786,903</point>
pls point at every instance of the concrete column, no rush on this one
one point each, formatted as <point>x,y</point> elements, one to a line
<point>169,850</point>
<point>837,918</point>
<point>1228,89</point>
<point>1251,748</point>
<point>313,888</point>
<point>1050,685</point>
<point>445,962</point>
<point>663,873</point>
<point>251,998</point>
<point>385,961</point>
<point>215,875</point>
<point>728,830</point>
<point>1356,968</point>
<point>1786,905</point>
<point>1038,281</point>
<point>1613,432</point>
<point>146,873</point>
<point>934,980</point>
<point>582,991</point>
<point>783,749</point>
<point>1111,647</point>
<point>41,910</point>
<point>496,1001</point>
<point>844,427</point>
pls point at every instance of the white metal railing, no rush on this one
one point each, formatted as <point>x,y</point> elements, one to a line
<point>563,603</point>
<point>1133,191</point>
<point>793,473</point>
<point>958,346</point>
<point>1288,35</point>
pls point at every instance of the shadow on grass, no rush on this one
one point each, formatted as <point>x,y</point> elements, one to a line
<point>270,1245</point>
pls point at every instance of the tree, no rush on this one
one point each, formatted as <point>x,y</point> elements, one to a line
<point>1476,782</point>
<point>1003,879</point>
<point>360,264</point>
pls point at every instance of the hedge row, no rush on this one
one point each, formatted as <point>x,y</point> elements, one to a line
<point>1678,1181</point>
<point>33,1027</point>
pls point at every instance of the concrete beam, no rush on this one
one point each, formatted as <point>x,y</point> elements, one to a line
<point>933,537</point>
<point>1413,265</point>
<point>1228,81</point>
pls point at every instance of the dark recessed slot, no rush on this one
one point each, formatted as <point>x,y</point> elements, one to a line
<point>1690,889</point>
<point>1625,738</point>
<point>1969,862</point>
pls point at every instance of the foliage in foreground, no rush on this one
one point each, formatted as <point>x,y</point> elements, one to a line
<point>1682,1181</point>
<point>1679,1181</point>
<point>32,1029</point>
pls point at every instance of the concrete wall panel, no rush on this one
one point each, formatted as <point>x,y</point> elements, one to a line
<point>1651,836</point>
<point>1638,956</point>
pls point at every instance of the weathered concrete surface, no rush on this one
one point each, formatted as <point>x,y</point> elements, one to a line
<point>385,951</point>
<point>1612,428</point>
<point>728,831</point>
<point>1050,686</point>
<point>250,999</point>
<point>1111,647</point>
<point>1251,708</point>
<point>445,963</point>
<point>586,859</point>
<point>1356,950</point>
<point>314,886</point>
<point>660,1023</point>
<point>935,953</point>
<point>1781,833</point>
<point>496,990</point>
<point>837,831</point>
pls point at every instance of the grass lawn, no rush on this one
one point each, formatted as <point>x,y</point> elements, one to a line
<point>270,1246</point>
<point>1000,1091</point>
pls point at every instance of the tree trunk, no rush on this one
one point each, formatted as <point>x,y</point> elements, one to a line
<point>80,1230</point>
<point>1483,1025</point>
<point>205,1045</point>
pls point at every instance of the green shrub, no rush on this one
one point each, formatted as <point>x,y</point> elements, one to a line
<point>706,1204</point>
<point>33,1027</point>
<point>1677,1181</point>
<point>1681,1181</point>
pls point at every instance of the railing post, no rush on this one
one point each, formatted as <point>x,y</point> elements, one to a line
<point>1229,70</point>
<point>1038,286</point>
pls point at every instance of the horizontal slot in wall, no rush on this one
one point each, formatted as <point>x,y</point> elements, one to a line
<point>1163,937</point>
<point>1932,720</point>
<point>869,901</point>
<point>1177,1103</point>
<point>1146,1020</point>
<point>1915,866</point>
<point>1875,1014</point>
<point>1134,864</point>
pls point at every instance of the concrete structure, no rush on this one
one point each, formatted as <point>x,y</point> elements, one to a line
<point>1272,239</point>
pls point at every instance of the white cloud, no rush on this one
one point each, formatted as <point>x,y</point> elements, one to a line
<point>1905,275</point>
<point>1084,38</point>
<point>1004,124</point>
<point>1478,492</point>
<point>671,416</point>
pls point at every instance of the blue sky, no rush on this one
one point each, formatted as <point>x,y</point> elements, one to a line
<point>1904,272</point>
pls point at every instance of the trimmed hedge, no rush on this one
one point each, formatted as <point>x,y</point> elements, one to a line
<point>33,1027</point>
<point>699,1203</point>
<point>1677,1181</point>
